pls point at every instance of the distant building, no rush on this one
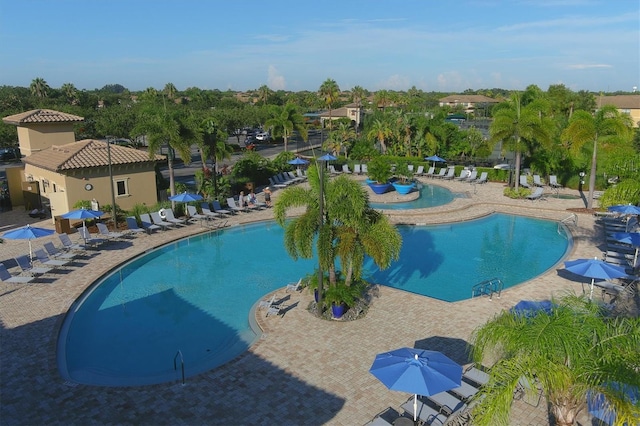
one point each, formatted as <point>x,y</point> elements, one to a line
<point>351,111</point>
<point>626,104</point>
<point>469,103</point>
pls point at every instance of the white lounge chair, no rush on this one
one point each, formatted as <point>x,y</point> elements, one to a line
<point>536,194</point>
<point>267,303</point>
<point>537,181</point>
<point>301,174</point>
<point>471,177</point>
<point>430,172</point>
<point>365,170</point>
<point>170,217</point>
<point>27,267</point>
<point>6,277</point>
<point>441,174</point>
<point>464,174</point>
<point>195,216</point>
<point>147,223</point>
<point>345,169</point>
<point>553,182</point>
<point>523,181</point>
<point>70,245</point>
<point>450,174</point>
<point>356,169</point>
<point>410,168</point>
<point>420,171</point>
<point>89,239</point>
<point>276,184</point>
<point>231,203</point>
<point>294,286</point>
<point>333,170</point>
<point>56,253</point>
<point>483,178</point>
<point>157,219</point>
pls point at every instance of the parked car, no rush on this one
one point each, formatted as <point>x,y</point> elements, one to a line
<point>263,136</point>
<point>10,154</point>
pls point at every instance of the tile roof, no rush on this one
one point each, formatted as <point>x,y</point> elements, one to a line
<point>620,101</point>
<point>86,153</point>
<point>41,116</point>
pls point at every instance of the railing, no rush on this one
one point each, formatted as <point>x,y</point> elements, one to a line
<point>175,363</point>
<point>571,219</point>
<point>487,288</point>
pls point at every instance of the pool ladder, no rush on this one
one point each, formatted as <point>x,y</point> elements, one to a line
<point>487,288</point>
<point>175,363</point>
<point>571,219</point>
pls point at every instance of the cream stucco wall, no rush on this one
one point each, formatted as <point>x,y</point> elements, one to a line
<point>36,137</point>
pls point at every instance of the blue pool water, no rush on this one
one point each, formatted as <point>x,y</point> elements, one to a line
<point>194,296</point>
<point>430,196</point>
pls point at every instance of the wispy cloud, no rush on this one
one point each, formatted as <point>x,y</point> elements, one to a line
<point>587,66</point>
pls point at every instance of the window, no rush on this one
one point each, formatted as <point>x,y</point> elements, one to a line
<point>122,187</point>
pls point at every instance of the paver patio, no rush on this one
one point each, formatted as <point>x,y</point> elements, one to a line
<point>303,371</point>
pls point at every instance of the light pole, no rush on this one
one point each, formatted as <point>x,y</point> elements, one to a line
<point>113,193</point>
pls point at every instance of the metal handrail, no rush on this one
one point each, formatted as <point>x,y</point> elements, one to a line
<point>488,287</point>
<point>175,364</point>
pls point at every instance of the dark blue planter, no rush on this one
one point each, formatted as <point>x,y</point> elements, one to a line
<point>338,310</point>
<point>315,295</point>
<point>403,188</point>
<point>380,188</point>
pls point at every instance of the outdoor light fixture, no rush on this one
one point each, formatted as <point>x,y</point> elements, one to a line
<point>581,174</point>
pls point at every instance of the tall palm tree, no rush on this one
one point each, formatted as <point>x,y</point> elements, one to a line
<point>514,123</point>
<point>383,98</point>
<point>70,92</point>
<point>350,230</point>
<point>329,92</point>
<point>213,145</point>
<point>341,138</point>
<point>170,90</point>
<point>39,87</point>
<point>263,93</point>
<point>285,120</point>
<point>358,94</point>
<point>607,128</point>
<point>381,131</point>
<point>570,353</point>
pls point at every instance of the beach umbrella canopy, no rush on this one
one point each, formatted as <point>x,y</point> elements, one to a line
<point>27,233</point>
<point>435,159</point>
<point>631,238</point>
<point>416,371</point>
<point>625,209</point>
<point>83,214</point>
<point>298,161</point>
<point>186,197</point>
<point>595,269</point>
<point>531,307</point>
<point>599,407</point>
<point>327,157</point>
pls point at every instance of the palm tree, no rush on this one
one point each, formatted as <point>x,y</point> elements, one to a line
<point>170,90</point>
<point>263,93</point>
<point>213,145</point>
<point>285,120</point>
<point>607,127</point>
<point>574,351</point>
<point>341,138</point>
<point>383,98</point>
<point>381,131</point>
<point>514,123</point>
<point>350,230</point>
<point>358,94</point>
<point>329,92</point>
<point>39,87</point>
<point>70,92</point>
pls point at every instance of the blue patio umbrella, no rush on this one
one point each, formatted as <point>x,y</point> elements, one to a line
<point>631,238</point>
<point>599,407</point>
<point>435,159</point>
<point>27,233</point>
<point>185,197</point>
<point>529,308</point>
<point>625,209</point>
<point>327,157</point>
<point>298,161</point>
<point>417,371</point>
<point>83,214</point>
<point>595,269</point>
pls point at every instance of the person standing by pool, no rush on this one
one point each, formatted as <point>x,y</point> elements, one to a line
<point>267,196</point>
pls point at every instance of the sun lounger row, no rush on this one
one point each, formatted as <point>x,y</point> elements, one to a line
<point>285,179</point>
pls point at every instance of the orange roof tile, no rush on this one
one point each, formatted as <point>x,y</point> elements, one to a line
<point>86,153</point>
<point>41,116</point>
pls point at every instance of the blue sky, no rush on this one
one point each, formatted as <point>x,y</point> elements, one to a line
<point>434,45</point>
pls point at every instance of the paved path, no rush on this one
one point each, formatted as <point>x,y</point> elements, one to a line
<point>303,371</point>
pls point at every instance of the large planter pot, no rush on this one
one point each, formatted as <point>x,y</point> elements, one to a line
<point>380,188</point>
<point>338,310</point>
<point>315,295</point>
<point>403,188</point>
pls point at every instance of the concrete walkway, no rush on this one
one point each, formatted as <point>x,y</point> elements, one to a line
<point>303,371</point>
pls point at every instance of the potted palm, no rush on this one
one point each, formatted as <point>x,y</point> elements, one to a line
<point>379,170</point>
<point>405,183</point>
<point>339,296</point>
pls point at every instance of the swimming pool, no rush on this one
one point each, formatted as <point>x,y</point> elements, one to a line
<point>430,196</point>
<point>195,295</point>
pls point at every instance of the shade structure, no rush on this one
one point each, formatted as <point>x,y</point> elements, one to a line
<point>185,197</point>
<point>529,308</point>
<point>416,371</point>
<point>27,233</point>
<point>631,238</point>
<point>298,161</point>
<point>327,157</point>
<point>83,214</point>
<point>595,269</point>
<point>625,209</point>
<point>599,407</point>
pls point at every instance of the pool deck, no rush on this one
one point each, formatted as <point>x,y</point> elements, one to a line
<point>303,371</point>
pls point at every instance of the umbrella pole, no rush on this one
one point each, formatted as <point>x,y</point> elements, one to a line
<point>591,292</point>
<point>415,406</point>
<point>30,251</point>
